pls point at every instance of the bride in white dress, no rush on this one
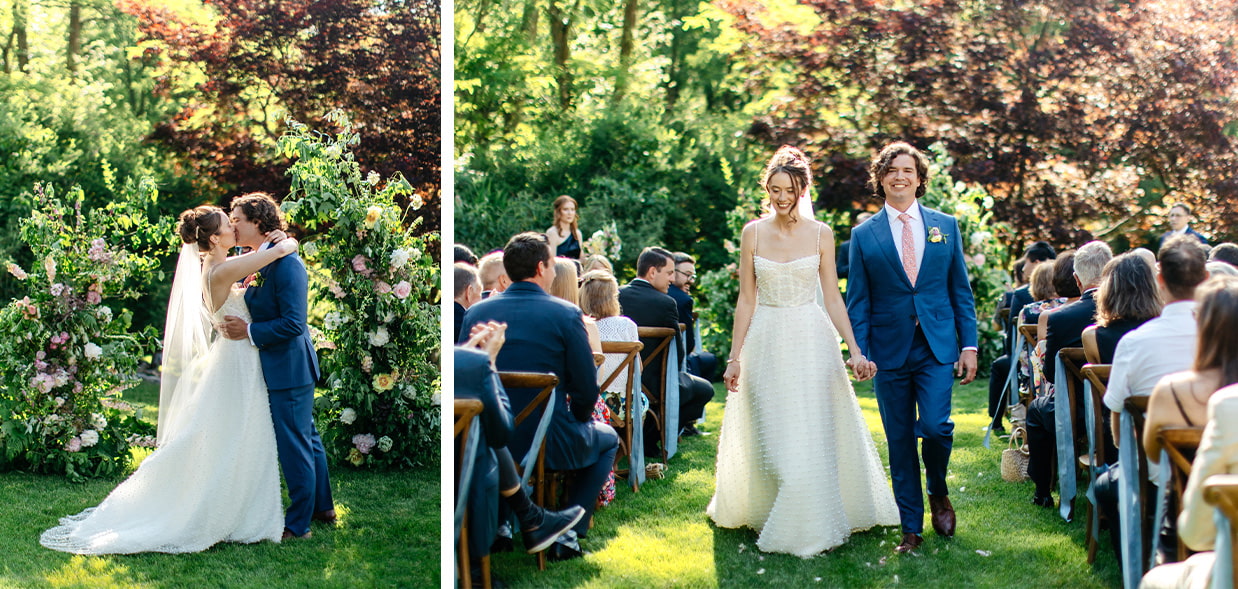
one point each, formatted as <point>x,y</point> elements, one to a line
<point>215,475</point>
<point>796,461</point>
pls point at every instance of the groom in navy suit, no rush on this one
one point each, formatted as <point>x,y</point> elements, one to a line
<point>278,298</point>
<point>912,311</point>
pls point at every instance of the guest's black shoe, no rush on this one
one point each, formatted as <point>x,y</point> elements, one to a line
<point>554,524</point>
<point>689,431</point>
<point>501,544</point>
<point>1043,501</point>
<point>560,551</point>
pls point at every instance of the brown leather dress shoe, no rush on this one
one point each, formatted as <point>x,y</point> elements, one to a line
<point>910,542</point>
<point>289,535</point>
<point>326,517</point>
<point>943,515</point>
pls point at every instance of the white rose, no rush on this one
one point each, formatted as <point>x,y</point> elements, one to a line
<point>436,399</point>
<point>98,421</point>
<point>379,338</point>
<point>92,351</point>
<point>90,437</point>
<point>348,415</point>
<point>373,178</point>
<point>399,258</point>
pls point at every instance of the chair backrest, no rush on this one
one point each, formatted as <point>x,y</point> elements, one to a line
<point>1137,406</point>
<point>532,380</point>
<point>466,438</point>
<point>1029,331</point>
<point>1073,360</point>
<point>630,351</point>
<point>598,359</point>
<point>1098,376</point>
<point>1180,445</point>
<point>1221,491</point>
<point>529,380</point>
<point>1091,349</point>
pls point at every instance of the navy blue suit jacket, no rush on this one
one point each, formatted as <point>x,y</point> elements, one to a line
<point>476,380</point>
<point>546,334</point>
<point>278,310</point>
<point>684,303</point>
<point>882,301</point>
<point>1189,231</point>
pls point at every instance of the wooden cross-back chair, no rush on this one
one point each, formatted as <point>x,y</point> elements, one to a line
<point>1221,492</point>
<point>466,440</point>
<point>1136,496</point>
<point>1068,418</point>
<point>1097,376</point>
<point>1028,331</point>
<point>657,361</point>
<point>538,478</point>
<point>628,422</point>
<point>1179,445</point>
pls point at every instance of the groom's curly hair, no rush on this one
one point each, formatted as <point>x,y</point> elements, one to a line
<point>262,209</point>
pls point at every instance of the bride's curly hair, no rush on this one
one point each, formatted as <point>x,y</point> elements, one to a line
<point>791,161</point>
<point>262,209</point>
<point>197,225</point>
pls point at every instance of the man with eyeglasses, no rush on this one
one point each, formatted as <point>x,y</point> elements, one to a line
<point>1180,224</point>
<point>700,362</point>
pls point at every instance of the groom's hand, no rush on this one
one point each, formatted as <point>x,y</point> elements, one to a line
<point>234,327</point>
<point>966,366</point>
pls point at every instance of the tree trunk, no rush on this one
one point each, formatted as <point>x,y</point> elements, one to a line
<point>560,35</point>
<point>675,65</point>
<point>625,49</point>
<point>75,36</point>
<point>17,36</point>
<point>529,21</point>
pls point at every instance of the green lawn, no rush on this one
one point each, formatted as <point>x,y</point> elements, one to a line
<point>388,536</point>
<point>661,537</point>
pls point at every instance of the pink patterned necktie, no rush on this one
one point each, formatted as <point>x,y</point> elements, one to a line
<point>909,249</point>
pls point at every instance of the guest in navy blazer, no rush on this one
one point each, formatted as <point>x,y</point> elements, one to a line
<point>1180,224</point>
<point>546,334</point>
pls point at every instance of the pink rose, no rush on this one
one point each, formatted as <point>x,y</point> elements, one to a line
<point>74,445</point>
<point>93,298</point>
<point>403,289</point>
<point>358,264</point>
<point>337,291</point>
<point>382,287</point>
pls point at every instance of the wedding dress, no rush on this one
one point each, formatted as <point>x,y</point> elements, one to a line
<point>796,461</point>
<point>214,477</point>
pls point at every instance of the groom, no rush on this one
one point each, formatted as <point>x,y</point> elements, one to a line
<point>911,308</point>
<point>278,299</point>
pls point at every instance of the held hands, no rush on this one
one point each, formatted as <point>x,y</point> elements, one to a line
<point>233,327</point>
<point>861,367</point>
<point>966,366</point>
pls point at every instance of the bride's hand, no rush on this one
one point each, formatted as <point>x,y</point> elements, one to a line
<point>287,246</point>
<point>276,236</point>
<point>731,376</point>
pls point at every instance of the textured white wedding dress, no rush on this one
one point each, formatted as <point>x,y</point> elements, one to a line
<point>214,479</point>
<point>795,459</point>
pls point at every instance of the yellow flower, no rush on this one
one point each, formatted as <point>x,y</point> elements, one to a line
<point>384,382</point>
<point>371,216</point>
<point>356,457</point>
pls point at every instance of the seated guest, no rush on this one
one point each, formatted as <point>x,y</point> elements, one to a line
<point>1127,297</point>
<point>1180,224</point>
<point>1036,255</point>
<point>1196,523</point>
<point>1225,252</point>
<point>1063,329</point>
<point>596,262</point>
<point>1161,346</point>
<point>464,255</point>
<point>700,362</point>
<point>1067,286</point>
<point>1221,269</point>
<point>494,278</point>
<point>645,301</point>
<point>1044,299</point>
<point>468,292</point>
<point>565,287</point>
<point>494,471</point>
<point>1147,256</point>
<point>599,299</point>
<point>545,334</point>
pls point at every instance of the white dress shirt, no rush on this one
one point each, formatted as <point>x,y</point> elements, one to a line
<point>917,230</point>
<point>1161,346</point>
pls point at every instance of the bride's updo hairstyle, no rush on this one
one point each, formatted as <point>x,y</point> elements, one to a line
<point>791,161</point>
<point>199,224</point>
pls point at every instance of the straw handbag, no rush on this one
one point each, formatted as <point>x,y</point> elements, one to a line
<point>1014,458</point>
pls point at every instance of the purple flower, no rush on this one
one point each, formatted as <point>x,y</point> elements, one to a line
<point>74,445</point>
<point>364,442</point>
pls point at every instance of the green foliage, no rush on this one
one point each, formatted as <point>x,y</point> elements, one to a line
<point>66,355</point>
<point>377,284</point>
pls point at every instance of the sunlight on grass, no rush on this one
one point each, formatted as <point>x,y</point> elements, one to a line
<point>94,572</point>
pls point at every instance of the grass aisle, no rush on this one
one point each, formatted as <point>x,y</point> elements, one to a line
<point>661,537</point>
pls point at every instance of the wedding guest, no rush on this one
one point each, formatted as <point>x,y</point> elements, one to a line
<point>564,235</point>
<point>596,262</point>
<point>1163,345</point>
<point>545,334</point>
<point>1221,269</point>
<point>645,301</point>
<point>1062,328</point>
<point>599,299</point>
<point>841,262</point>
<point>1045,298</point>
<point>465,255</point>
<point>999,372</point>
<point>468,292</point>
<point>494,470</point>
<point>1147,255</point>
<point>566,286</point>
<point>1196,524</point>
<point>699,362</point>
<point>1127,298</point>
<point>1225,252</point>
<point>494,278</point>
<point>1180,224</point>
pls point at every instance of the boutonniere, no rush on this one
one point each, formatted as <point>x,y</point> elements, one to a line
<point>936,236</point>
<point>255,280</point>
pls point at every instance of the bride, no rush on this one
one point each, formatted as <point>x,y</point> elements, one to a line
<point>214,477</point>
<point>795,459</point>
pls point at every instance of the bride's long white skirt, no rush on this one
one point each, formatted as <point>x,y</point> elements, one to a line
<point>215,479</point>
<point>796,461</point>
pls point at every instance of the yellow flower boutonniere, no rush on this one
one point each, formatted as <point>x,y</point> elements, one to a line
<point>936,236</point>
<point>257,280</point>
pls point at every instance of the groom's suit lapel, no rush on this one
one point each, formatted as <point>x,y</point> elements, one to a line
<point>936,255</point>
<point>885,242</point>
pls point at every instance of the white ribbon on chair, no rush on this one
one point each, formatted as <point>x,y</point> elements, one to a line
<point>670,421</point>
<point>1128,504</point>
<point>467,461</point>
<point>530,458</point>
<point>1011,379</point>
<point>636,421</point>
<point>1223,568</point>
<point>1065,441</point>
<point>1162,495</point>
<point>1095,438</point>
